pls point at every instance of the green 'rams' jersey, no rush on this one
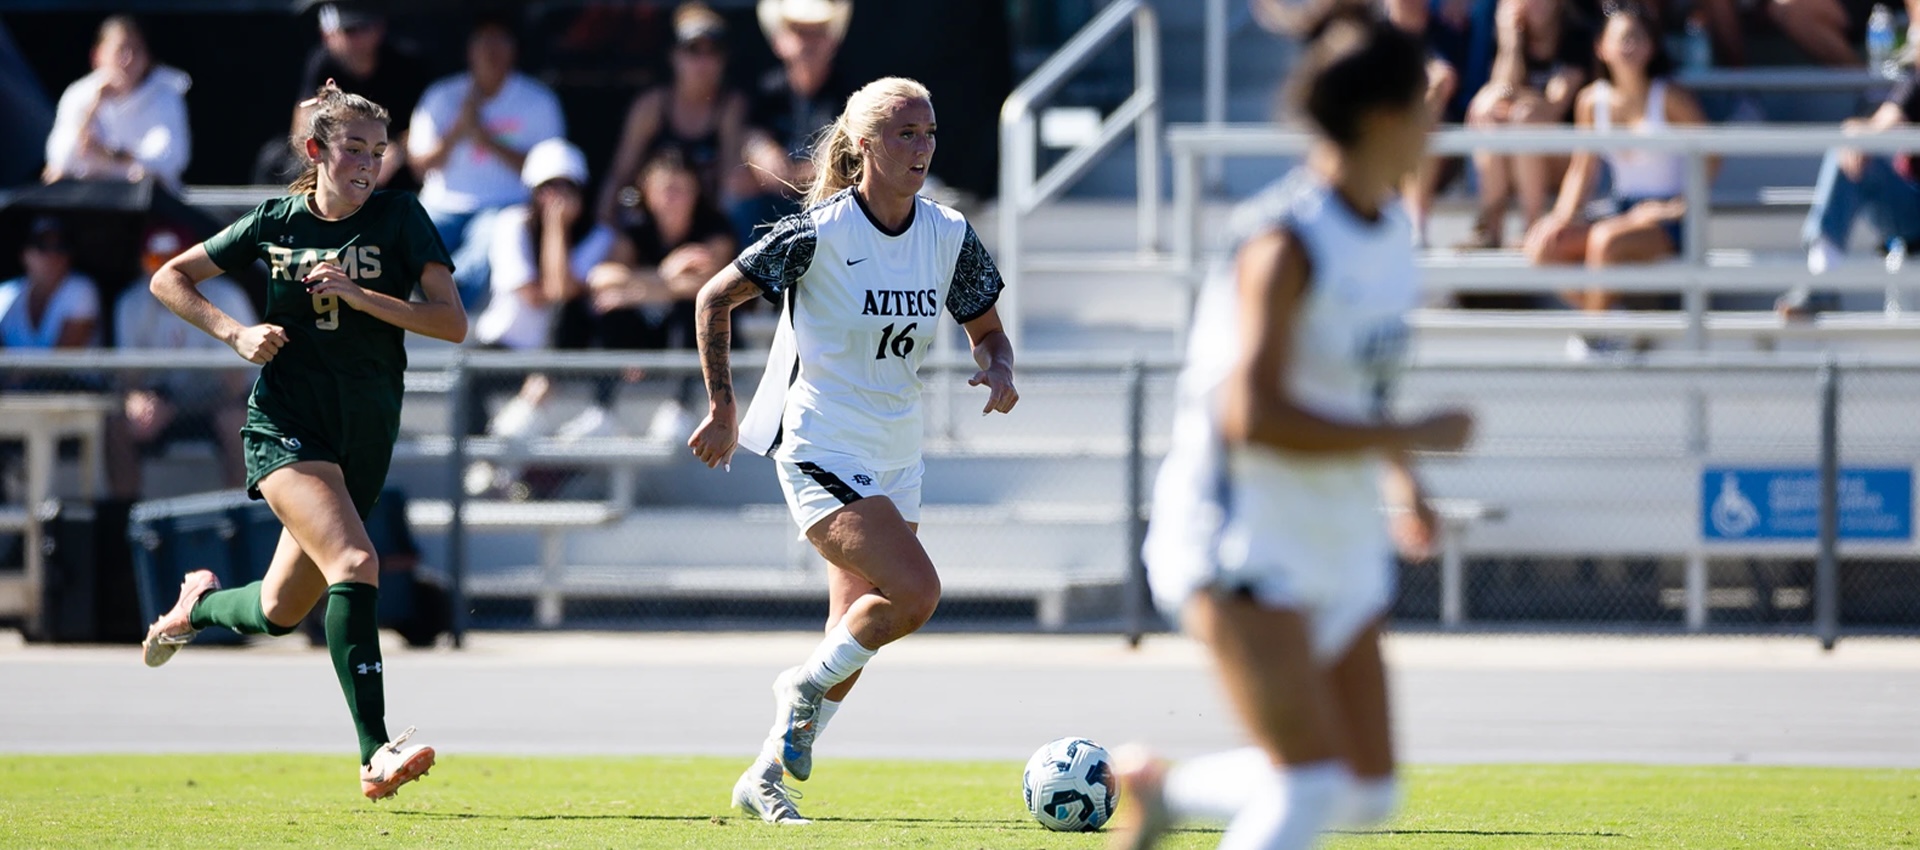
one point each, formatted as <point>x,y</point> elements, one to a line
<point>335,357</point>
<point>383,247</point>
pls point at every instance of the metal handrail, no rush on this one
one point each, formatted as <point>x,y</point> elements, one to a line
<point>1191,144</point>
<point>1023,189</point>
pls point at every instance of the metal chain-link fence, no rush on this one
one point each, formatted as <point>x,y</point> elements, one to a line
<point>555,490</point>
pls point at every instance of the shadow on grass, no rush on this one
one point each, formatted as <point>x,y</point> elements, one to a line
<point>948,823</point>
<point>1481,832</point>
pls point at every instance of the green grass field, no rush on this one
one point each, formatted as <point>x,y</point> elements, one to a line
<point>484,801</point>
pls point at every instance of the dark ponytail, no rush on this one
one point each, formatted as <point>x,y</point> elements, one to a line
<point>1353,61</point>
<point>329,110</point>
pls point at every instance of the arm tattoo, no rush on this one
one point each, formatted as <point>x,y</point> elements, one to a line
<point>714,332</point>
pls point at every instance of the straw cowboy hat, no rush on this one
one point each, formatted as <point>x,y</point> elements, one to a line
<point>776,14</point>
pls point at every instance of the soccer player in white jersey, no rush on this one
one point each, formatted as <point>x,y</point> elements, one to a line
<point>861,276</point>
<point>1268,540</point>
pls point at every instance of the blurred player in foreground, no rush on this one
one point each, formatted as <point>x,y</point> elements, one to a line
<point>1268,540</point>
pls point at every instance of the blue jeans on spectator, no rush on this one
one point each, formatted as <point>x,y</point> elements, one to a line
<point>754,215</point>
<point>468,236</point>
<point>1891,203</point>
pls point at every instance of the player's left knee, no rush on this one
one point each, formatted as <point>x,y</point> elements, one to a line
<point>918,599</point>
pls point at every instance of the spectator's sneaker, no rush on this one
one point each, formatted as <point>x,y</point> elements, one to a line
<point>394,765</point>
<point>1141,821</point>
<point>175,628</point>
<point>1823,255</point>
<point>794,709</point>
<point>762,791</point>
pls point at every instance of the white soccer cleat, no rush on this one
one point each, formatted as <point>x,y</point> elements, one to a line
<point>763,792</point>
<point>175,628</point>
<point>1143,818</point>
<point>793,723</point>
<point>394,765</point>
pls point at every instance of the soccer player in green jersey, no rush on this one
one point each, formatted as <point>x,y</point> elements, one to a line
<point>324,415</point>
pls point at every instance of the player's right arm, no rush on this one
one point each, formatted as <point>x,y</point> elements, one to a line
<point>177,285</point>
<point>713,442</point>
<point>1272,274</point>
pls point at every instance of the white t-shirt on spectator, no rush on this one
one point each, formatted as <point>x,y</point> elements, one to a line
<point>140,321</point>
<point>472,178</point>
<point>77,299</point>
<point>508,320</point>
<point>150,123</point>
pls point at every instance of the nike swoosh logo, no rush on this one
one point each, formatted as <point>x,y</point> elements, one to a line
<point>858,262</point>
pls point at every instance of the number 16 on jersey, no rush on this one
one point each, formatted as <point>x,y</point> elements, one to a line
<point>899,346</point>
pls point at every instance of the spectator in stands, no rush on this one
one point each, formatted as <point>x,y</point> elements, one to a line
<point>356,54</point>
<point>791,105</point>
<point>51,306</point>
<point>1442,80</point>
<point>1542,60</point>
<point>159,408</point>
<point>643,295</point>
<point>697,116</point>
<point>1884,188</point>
<point>284,158</point>
<point>1635,91</point>
<point>468,143</point>
<point>125,120</point>
<point>1828,31</point>
<point>541,256</point>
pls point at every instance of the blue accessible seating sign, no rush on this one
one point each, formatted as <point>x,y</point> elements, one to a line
<point>1783,503</point>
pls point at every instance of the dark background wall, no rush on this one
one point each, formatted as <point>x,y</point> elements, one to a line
<point>246,58</point>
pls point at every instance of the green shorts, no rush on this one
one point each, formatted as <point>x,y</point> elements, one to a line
<point>271,442</point>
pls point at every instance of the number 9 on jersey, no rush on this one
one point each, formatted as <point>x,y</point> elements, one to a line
<point>328,306</point>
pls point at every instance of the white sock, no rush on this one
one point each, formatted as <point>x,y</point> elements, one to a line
<point>835,660</point>
<point>1215,787</point>
<point>1369,803</point>
<point>823,715</point>
<point>1290,809</point>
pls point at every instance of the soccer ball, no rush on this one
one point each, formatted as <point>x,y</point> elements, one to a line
<point>1069,786</point>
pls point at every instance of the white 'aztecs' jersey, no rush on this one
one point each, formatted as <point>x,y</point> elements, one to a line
<point>857,311</point>
<point>1220,509</point>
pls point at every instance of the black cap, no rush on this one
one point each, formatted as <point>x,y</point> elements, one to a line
<point>696,21</point>
<point>47,234</point>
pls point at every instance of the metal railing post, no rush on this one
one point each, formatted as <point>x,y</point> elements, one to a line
<point>1146,132</point>
<point>1138,597</point>
<point>1693,230</point>
<point>1187,212</point>
<point>1826,571</point>
<point>1215,108</point>
<point>1016,175</point>
<point>460,388</point>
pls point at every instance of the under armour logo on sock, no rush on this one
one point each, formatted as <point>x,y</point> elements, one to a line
<point>364,669</point>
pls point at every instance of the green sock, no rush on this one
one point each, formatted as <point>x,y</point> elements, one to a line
<point>237,609</point>
<point>353,639</point>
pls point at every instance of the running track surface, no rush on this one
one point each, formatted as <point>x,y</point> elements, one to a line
<point>1709,700</point>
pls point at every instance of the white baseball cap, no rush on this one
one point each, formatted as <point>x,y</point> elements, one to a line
<point>776,14</point>
<point>553,159</point>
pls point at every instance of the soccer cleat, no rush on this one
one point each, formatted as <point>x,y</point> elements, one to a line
<point>175,628</point>
<point>394,765</point>
<point>1141,821</point>
<point>794,711</point>
<point>763,792</point>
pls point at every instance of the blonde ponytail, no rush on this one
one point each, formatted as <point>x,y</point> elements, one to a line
<point>837,162</point>
<point>328,110</point>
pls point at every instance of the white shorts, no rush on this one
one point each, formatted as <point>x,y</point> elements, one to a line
<point>816,490</point>
<point>1192,547</point>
